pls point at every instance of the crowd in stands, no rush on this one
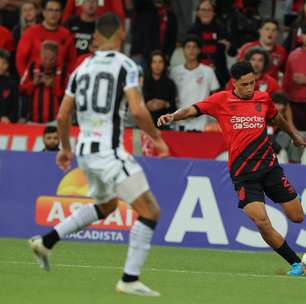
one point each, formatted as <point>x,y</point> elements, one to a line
<point>184,50</point>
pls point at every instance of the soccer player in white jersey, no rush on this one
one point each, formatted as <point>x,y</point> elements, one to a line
<point>96,89</point>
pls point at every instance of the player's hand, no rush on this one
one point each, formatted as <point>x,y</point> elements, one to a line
<point>165,119</point>
<point>299,141</point>
<point>64,159</point>
<point>161,146</point>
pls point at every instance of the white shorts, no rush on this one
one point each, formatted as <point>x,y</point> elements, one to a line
<point>113,175</point>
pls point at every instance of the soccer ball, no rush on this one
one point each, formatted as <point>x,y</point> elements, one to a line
<point>304,262</point>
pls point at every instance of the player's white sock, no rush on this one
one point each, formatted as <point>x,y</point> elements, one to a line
<point>139,246</point>
<point>78,220</point>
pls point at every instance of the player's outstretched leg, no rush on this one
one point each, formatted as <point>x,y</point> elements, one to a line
<point>139,246</point>
<point>86,215</point>
<point>294,211</point>
<point>256,211</point>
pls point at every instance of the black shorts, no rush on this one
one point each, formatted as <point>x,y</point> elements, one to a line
<point>272,183</point>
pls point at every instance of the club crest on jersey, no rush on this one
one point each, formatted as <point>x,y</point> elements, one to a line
<point>263,87</point>
<point>258,107</point>
<point>232,108</point>
<point>275,61</point>
<point>200,80</point>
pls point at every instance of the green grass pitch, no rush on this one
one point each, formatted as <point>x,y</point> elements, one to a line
<point>87,273</point>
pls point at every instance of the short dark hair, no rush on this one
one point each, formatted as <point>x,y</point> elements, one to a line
<point>192,38</point>
<point>108,24</point>
<point>50,129</point>
<point>260,51</point>
<point>280,98</point>
<point>241,68</point>
<point>270,20</point>
<point>45,3</point>
<point>5,55</point>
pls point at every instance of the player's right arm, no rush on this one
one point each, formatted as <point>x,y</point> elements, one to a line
<point>64,117</point>
<point>144,120</point>
<point>209,106</point>
<point>180,114</point>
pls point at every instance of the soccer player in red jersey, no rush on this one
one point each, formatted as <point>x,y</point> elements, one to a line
<point>259,60</point>
<point>243,114</point>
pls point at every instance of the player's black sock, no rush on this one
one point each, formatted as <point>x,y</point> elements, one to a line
<point>50,239</point>
<point>288,254</point>
<point>129,278</point>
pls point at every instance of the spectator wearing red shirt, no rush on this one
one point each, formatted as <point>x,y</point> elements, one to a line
<point>268,34</point>
<point>6,40</point>
<point>83,26</point>
<point>30,43</point>
<point>259,60</point>
<point>74,7</point>
<point>44,83</point>
<point>295,83</point>
<point>293,39</point>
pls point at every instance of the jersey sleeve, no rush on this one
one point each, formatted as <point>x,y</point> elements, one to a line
<point>72,85</point>
<point>209,105</point>
<point>272,111</point>
<point>132,75</point>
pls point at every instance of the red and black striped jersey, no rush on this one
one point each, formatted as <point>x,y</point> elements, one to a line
<point>244,125</point>
<point>44,102</point>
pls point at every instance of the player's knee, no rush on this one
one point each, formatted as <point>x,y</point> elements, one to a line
<point>263,224</point>
<point>153,213</point>
<point>156,213</point>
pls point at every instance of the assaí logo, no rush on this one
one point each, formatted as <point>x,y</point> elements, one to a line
<point>71,194</point>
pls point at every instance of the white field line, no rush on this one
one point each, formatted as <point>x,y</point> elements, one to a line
<point>178,271</point>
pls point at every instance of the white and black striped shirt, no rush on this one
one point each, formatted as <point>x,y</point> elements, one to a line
<point>98,86</point>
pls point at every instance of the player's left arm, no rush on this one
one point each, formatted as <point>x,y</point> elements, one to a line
<point>281,123</point>
<point>64,117</point>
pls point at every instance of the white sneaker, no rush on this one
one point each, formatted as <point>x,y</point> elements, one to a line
<point>136,288</point>
<point>40,251</point>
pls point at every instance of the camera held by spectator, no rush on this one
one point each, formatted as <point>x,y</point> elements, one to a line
<point>44,83</point>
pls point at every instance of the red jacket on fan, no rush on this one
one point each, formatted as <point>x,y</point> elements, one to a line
<point>297,5</point>
<point>264,84</point>
<point>278,56</point>
<point>295,65</point>
<point>6,39</point>
<point>74,7</point>
<point>28,49</point>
